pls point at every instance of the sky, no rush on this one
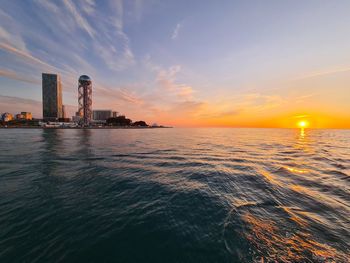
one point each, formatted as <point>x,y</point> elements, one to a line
<point>183,63</point>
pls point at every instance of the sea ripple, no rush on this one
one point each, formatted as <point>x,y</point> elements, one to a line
<point>174,195</point>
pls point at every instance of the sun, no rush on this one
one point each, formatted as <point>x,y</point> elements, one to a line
<point>303,124</point>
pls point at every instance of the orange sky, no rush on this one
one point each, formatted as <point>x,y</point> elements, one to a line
<point>237,64</point>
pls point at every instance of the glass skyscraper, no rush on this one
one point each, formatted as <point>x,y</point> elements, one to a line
<point>52,97</point>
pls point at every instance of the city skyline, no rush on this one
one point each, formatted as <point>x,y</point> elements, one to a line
<point>233,64</point>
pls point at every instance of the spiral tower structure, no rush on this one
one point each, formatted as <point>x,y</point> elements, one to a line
<point>85,99</point>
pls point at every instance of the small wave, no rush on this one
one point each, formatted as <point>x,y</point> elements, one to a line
<point>272,243</point>
<point>275,237</point>
<point>339,174</point>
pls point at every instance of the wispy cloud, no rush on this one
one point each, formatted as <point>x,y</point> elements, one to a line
<point>323,73</point>
<point>219,113</point>
<point>257,102</point>
<point>176,31</point>
<point>166,79</point>
<point>15,76</point>
<point>118,93</point>
<point>15,105</point>
<point>301,116</point>
<point>81,21</point>
<point>49,5</point>
<point>115,50</point>
<point>185,112</point>
<point>138,9</point>
<point>9,32</point>
<point>108,39</point>
<point>88,6</point>
<point>25,55</point>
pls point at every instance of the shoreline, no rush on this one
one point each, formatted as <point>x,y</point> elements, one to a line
<point>84,128</point>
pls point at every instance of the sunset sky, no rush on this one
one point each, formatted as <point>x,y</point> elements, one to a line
<point>184,63</point>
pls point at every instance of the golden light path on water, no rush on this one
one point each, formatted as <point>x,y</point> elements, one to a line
<point>297,243</point>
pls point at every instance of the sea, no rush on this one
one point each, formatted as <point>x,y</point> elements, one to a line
<point>174,195</point>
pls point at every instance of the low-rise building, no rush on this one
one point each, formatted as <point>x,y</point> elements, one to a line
<point>19,116</point>
<point>101,115</point>
<point>66,120</point>
<point>7,117</point>
<point>64,111</point>
<point>76,118</point>
<point>27,115</point>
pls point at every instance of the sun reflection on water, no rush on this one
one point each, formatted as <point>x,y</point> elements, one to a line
<point>294,170</point>
<point>282,246</point>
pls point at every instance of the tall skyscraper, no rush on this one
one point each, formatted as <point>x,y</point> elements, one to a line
<point>52,97</point>
<point>85,99</point>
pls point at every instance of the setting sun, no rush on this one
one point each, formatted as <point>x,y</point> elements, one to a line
<point>303,124</point>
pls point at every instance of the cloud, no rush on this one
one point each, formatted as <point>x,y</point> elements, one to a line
<point>185,112</point>
<point>257,102</point>
<point>57,19</point>
<point>117,18</point>
<point>81,21</point>
<point>323,73</point>
<point>166,79</point>
<point>176,31</point>
<point>150,65</point>
<point>49,5</point>
<point>115,60</point>
<point>188,107</point>
<point>115,48</point>
<point>117,94</point>
<point>185,92</point>
<point>15,105</point>
<point>11,39</point>
<point>88,6</point>
<point>15,76</point>
<point>138,9</point>
<point>9,32</point>
<point>241,105</point>
<point>108,39</point>
<point>304,98</point>
<point>301,116</point>
<point>216,114</point>
<point>25,55</point>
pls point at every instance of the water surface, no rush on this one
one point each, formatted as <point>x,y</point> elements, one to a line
<point>174,195</point>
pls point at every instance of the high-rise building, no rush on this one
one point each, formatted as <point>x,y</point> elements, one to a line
<point>52,97</point>
<point>115,114</point>
<point>101,115</point>
<point>85,99</point>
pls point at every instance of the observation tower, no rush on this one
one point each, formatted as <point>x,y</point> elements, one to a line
<point>85,99</point>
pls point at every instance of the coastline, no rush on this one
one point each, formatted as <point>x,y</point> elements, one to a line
<point>84,128</point>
